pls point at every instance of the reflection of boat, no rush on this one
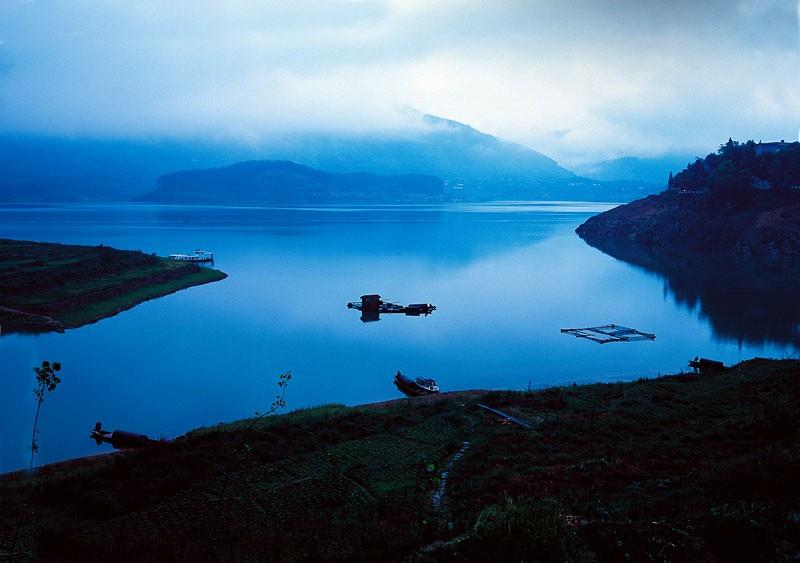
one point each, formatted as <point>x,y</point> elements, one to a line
<point>198,256</point>
<point>120,439</point>
<point>371,307</point>
<point>415,387</point>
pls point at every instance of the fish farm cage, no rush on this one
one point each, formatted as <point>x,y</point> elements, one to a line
<point>609,333</point>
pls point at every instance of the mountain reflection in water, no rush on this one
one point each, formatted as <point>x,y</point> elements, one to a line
<point>752,300</point>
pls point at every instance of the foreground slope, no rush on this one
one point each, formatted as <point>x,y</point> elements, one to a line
<point>677,468</point>
<point>49,287</point>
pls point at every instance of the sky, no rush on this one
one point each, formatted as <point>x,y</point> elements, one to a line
<point>579,80</point>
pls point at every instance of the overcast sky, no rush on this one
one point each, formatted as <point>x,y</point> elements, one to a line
<point>578,80</point>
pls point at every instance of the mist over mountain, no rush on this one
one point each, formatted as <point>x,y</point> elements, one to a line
<point>62,169</point>
<point>473,166</point>
<point>481,165</point>
<point>653,170</point>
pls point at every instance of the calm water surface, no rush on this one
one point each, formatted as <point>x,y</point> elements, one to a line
<point>505,278</point>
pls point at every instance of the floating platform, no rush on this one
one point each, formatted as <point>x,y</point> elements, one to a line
<point>609,333</point>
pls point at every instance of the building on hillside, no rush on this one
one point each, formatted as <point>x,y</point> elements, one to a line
<point>775,146</point>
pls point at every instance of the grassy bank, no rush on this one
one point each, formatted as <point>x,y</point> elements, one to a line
<point>678,468</point>
<point>46,287</point>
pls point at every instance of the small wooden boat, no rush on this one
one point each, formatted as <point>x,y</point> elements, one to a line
<point>120,439</point>
<point>415,387</point>
<point>705,366</point>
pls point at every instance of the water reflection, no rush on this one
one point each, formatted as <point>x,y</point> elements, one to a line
<point>752,300</point>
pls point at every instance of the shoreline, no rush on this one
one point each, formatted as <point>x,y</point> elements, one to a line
<point>54,287</point>
<point>672,466</point>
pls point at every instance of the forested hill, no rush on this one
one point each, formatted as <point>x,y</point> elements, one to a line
<point>744,199</point>
<point>736,167</point>
<point>278,181</point>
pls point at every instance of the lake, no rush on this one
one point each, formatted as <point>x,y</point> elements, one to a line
<point>505,278</point>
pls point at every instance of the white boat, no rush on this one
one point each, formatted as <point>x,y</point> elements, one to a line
<point>198,256</point>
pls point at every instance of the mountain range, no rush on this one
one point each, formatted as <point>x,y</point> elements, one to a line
<point>284,182</point>
<point>654,170</point>
<point>472,165</point>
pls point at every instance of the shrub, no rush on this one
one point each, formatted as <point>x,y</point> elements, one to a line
<point>527,529</point>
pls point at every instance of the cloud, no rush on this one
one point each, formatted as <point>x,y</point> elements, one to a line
<point>614,77</point>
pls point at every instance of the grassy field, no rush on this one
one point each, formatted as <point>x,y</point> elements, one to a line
<point>46,286</point>
<point>680,468</point>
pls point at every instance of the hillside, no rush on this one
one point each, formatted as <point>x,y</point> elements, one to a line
<point>680,468</point>
<point>49,287</point>
<point>652,170</point>
<point>267,182</point>
<point>735,202</point>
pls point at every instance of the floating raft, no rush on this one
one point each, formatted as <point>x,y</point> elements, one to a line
<point>372,306</point>
<point>609,333</point>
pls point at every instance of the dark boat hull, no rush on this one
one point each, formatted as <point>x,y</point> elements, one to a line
<point>410,387</point>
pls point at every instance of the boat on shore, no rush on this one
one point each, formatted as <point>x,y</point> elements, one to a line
<point>197,256</point>
<point>704,366</point>
<point>119,439</point>
<point>415,387</point>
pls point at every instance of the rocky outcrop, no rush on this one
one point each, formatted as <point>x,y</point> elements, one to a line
<point>765,223</point>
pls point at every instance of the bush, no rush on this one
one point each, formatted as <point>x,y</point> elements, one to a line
<point>527,529</point>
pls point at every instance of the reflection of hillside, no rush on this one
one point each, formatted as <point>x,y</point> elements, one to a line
<point>437,234</point>
<point>751,300</point>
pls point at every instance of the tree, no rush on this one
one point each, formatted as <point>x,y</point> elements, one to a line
<point>46,382</point>
<point>671,181</point>
<point>726,178</point>
<point>277,404</point>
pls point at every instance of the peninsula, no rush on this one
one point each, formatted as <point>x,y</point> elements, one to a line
<point>48,287</point>
<point>680,468</point>
<point>742,200</point>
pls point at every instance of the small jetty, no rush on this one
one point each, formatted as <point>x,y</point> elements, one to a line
<point>609,333</point>
<point>415,387</point>
<point>372,306</point>
<point>197,256</point>
<point>505,416</point>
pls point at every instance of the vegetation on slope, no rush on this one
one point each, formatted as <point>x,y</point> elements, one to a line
<point>755,222</point>
<point>679,468</point>
<point>735,202</point>
<point>736,167</point>
<point>46,286</point>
